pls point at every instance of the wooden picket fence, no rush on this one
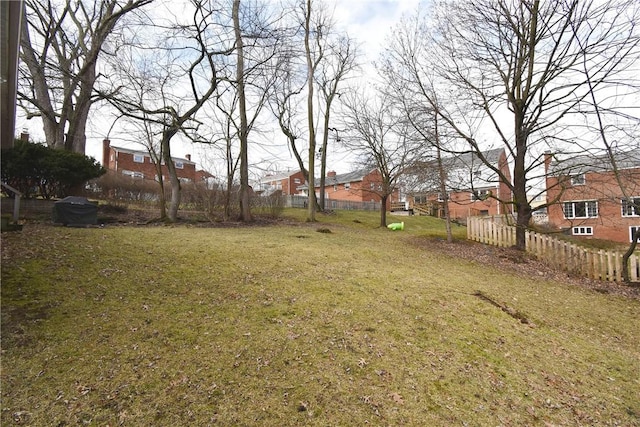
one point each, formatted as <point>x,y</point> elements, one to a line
<point>596,264</point>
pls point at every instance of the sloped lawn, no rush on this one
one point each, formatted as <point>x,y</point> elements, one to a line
<point>286,326</point>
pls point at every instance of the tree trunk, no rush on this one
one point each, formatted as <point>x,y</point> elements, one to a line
<point>176,189</point>
<point>520,199</point>
<point>53,136</point>
<point>323,174</point>
<point>635,236</point>
<point>311,212</point>
<point>442,176</point>
<point>76,138</point>
<point>383,210</point>
<point>245,207</point>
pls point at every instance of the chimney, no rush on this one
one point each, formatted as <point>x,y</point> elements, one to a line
<point>331,174</point>
<point>24,136</point>
<point>106,148</point>
<point>188,156</point>
<point>547,161</point>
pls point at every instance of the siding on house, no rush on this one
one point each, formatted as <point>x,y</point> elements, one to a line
<point>589,197</point>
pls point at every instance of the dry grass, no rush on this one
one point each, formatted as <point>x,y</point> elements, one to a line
<point>288,326</point>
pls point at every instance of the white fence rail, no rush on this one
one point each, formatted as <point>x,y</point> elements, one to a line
<point>596,264</point>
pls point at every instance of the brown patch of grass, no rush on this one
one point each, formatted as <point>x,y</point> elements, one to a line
<point>281,325</point>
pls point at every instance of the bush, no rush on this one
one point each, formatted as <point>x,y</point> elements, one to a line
<point>37,170</point>
<point>271,205</point>
<point>121,188</point>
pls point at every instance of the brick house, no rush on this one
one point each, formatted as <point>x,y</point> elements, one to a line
<point>363,185</point>
<point>287,182</point>
<point>138,164</point>
<point>586,196</point>
<point>473,188</point>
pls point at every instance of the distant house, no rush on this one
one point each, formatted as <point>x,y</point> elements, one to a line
<point>588,199</point>
<point>207,178</point>
<point>363,186</point>
<point>472,188</point>
<point>138,164</point>
<point>286,182</point>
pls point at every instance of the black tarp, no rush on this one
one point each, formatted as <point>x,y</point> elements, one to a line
<point>75,211</point>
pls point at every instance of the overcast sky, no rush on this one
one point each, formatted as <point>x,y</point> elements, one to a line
<point>369,22</point>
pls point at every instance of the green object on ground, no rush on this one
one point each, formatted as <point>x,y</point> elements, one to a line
<point>396,226</point>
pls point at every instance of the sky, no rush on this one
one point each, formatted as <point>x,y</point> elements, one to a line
<point>369,22</point>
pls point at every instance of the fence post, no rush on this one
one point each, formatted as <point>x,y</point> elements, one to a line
<point>633,268</point>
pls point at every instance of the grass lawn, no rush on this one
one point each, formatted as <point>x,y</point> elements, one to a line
<point>287,326</point>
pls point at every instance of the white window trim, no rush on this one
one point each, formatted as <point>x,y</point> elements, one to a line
<point>480,195</point>
<point>573,209</point>
<point>138,158</point>
<point>347,185</point>
<point>579,179</point>
<point>636,211</point>
<point>179,165</point>
<point>582,230</point>
<point>630,231</point>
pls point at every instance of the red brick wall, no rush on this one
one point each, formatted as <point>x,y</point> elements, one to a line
<point>366,190</point>
<point>119,161</point>
<point>462,206</point>
<point>600,187</point>
<point>289,185</point>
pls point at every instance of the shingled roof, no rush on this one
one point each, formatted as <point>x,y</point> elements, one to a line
<point>577,165</point>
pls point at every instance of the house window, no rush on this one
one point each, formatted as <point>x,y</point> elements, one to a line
<point>441,198</point>
<point>347,185</point>
<point>585,209</point>
<point>582,231</point>
<point>634,229</point>
<point>335,187</point>
<point>631,207</point>
<point>133,174</point>
<point>296,180</point>
<point>179,165</point>
<point>577,179</point>
<point>138,158</point>
<point>480,195</point>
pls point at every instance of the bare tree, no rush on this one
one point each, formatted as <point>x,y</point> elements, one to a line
<point>340,61</point>
<point>314,52</point>
<point>61,44</point>
<point>615,127</point>
<point>382,138</point>
<point>192,78</point>
<point>512,72</point>
<point>255,74</point>
<point>245,207</point>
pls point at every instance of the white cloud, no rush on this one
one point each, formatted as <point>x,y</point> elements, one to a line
<point>370,22</point>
